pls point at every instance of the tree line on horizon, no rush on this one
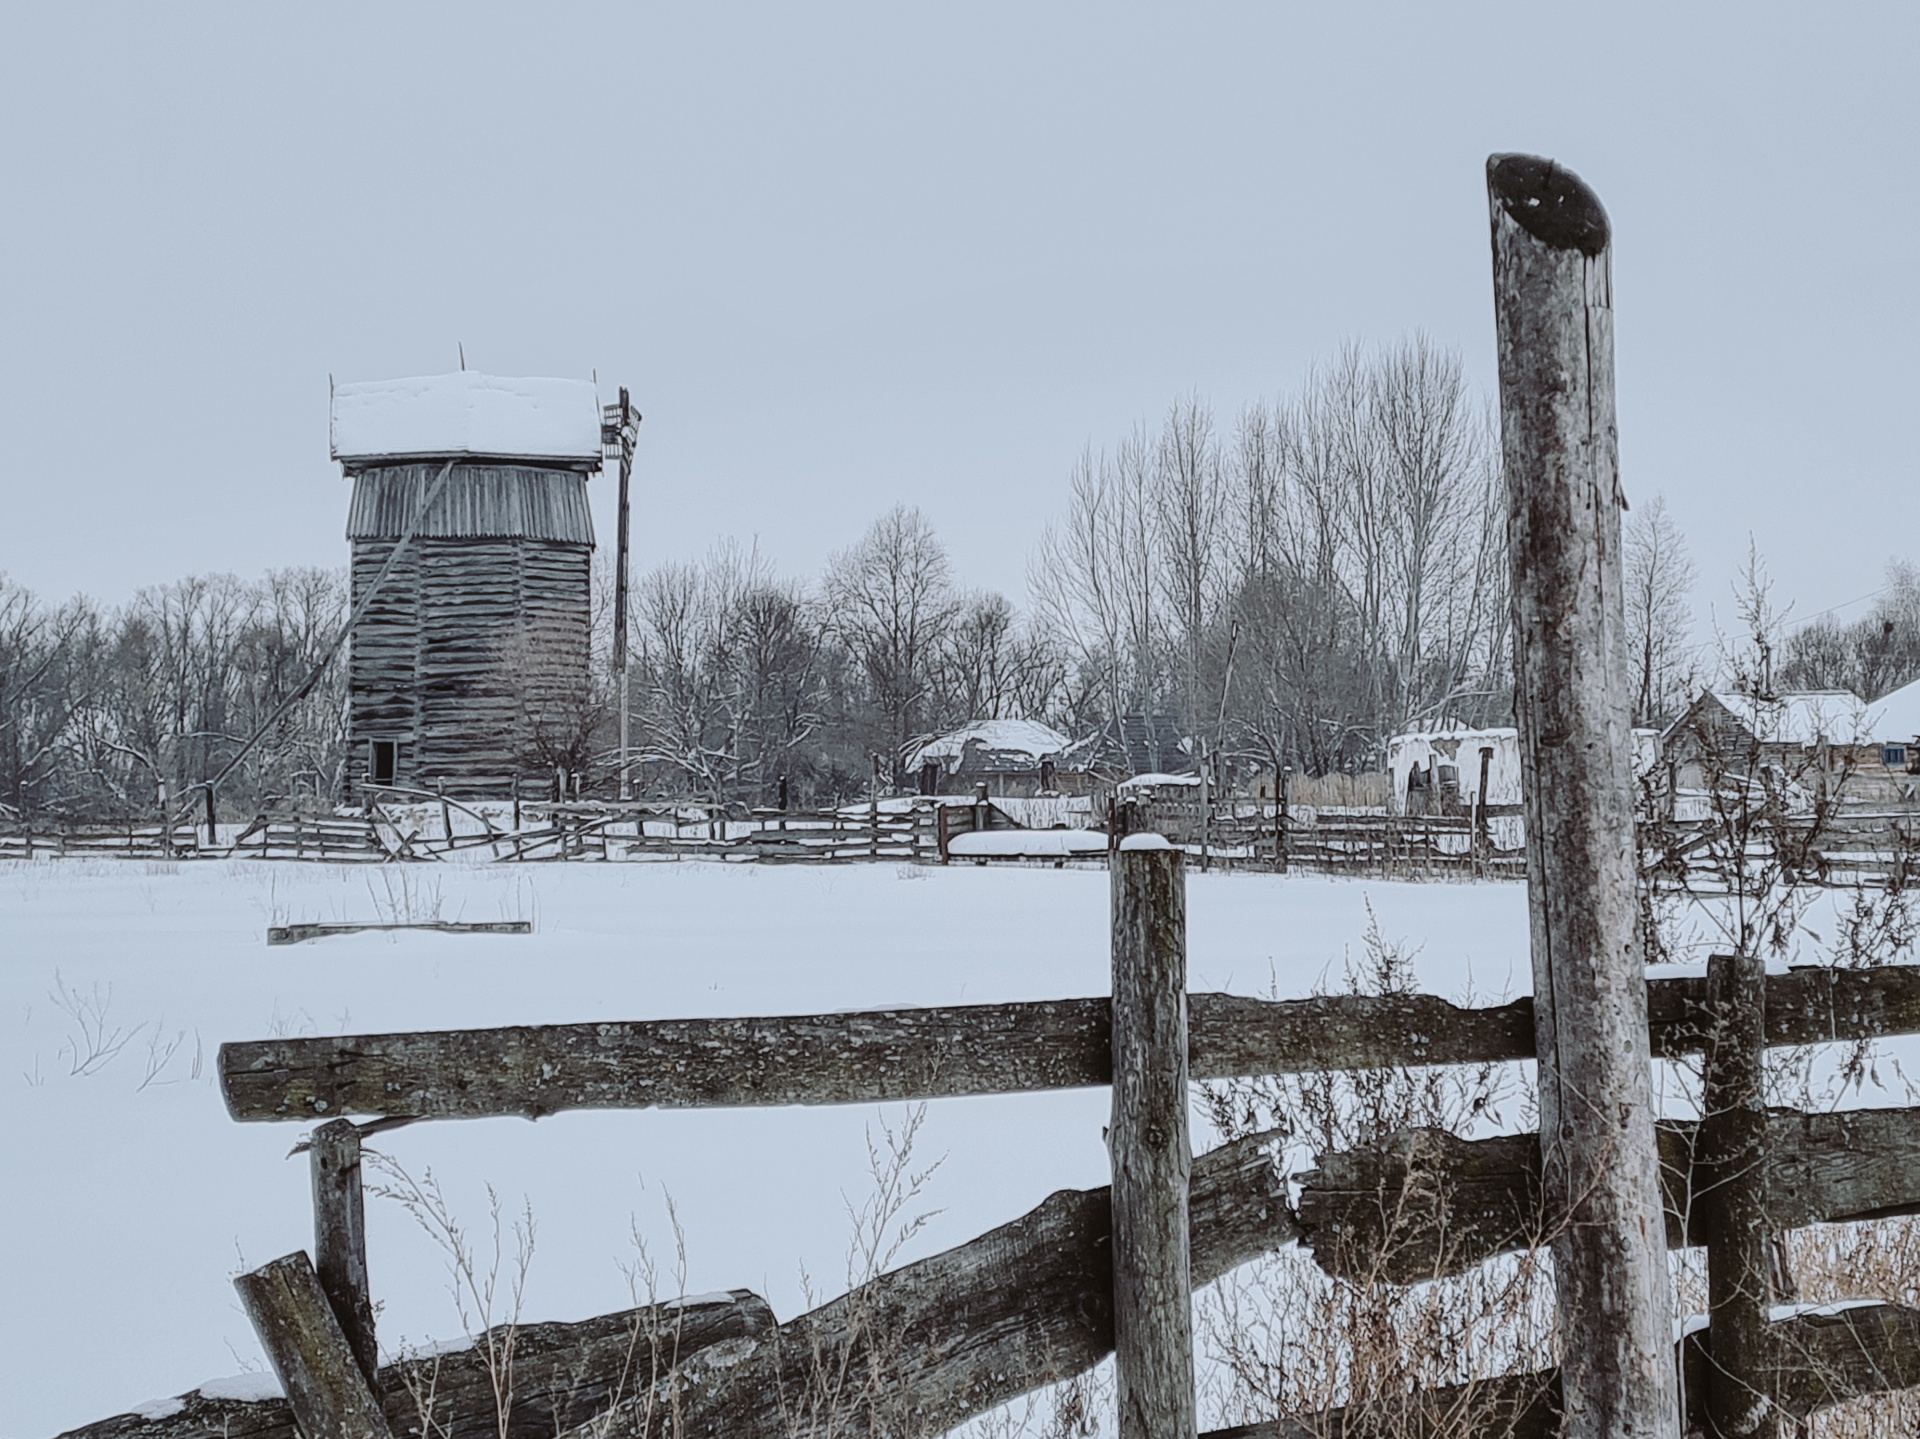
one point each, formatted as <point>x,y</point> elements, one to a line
<point>1288,589</point>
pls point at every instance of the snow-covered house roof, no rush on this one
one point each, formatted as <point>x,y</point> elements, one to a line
<point>1897,716</point>
<point>1808,717</point>
<point>991,745</point>
<point>467,413</point>
<point>1157,781</point>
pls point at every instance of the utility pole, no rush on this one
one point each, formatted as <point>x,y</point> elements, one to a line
<point>619,429</point>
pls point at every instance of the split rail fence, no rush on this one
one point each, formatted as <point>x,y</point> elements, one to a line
<point>1851,849</point>
<point>1053,1292</point>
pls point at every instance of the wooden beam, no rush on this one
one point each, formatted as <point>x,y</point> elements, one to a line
<point>325,1389</point>
<point>1148,1141</point>
<point>340,1238</point>
<point>320,929</point>
<point>1424,1203</point>
<point>933,1344</point>
<point>887,1055</point>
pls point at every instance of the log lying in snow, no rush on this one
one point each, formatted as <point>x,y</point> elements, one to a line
<point>296,933</point>
<point>1424,1203</point>
<point>926,1347</point>
<point>892,1055</point>
<point>563,1375</point>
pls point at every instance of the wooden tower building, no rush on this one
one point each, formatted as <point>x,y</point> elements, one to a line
<point>472,543</point>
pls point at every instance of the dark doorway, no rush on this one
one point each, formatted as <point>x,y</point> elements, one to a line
<point>385,753</point>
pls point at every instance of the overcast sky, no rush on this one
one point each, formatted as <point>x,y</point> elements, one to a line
<point>846,256</point>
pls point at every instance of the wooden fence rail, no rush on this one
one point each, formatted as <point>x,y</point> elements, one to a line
<point>1862,849</point>
<point>1425,1203</point>
<point>889,1055</point>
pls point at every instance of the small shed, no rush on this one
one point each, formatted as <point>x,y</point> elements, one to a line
<point>1010,757</point>
<point>1439,772</point>
<point>1894,720</point>
<point>471,545</point>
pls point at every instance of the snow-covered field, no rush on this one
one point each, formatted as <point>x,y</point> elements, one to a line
<point>131,1199</point>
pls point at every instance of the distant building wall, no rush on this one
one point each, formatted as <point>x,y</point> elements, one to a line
<point>471,666</point>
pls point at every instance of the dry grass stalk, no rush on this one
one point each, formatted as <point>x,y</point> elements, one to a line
<point>1286,1340</point>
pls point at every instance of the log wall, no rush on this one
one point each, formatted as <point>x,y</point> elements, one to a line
<point>475,651</point>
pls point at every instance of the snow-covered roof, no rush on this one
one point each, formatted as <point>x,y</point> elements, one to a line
<point>1897,716</point>
<point>1150,781</point>
<point>1022,739</point>
<point>466,413</point>
<point>1808,717</point>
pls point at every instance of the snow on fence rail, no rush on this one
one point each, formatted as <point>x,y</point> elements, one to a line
<point>1034,1301</point>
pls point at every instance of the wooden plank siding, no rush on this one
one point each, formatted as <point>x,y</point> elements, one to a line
<point>481,630</point>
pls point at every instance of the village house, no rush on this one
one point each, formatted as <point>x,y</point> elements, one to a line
<point>1812,738</point>
<point>471,541</point>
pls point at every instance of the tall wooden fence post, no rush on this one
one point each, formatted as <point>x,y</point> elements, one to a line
<point>1553,313</point>
<point>1731,1193</point>
<point>1148,1142</point>
<point>340,1237</point>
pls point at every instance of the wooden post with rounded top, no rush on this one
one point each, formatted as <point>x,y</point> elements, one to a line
<point>1553,313</point>
<point>1148,1143</point>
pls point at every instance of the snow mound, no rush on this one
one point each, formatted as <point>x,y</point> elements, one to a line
<point>1027,843</point>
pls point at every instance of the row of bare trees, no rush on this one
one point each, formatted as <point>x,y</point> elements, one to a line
<point>1329,571</point>
<point>744,680</point>
<point>105,712</point>
<point>1290,588</point>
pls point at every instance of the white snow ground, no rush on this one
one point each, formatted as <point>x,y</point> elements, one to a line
<point>131,1201</point>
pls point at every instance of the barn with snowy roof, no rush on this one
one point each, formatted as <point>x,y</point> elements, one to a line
<point>472,545</point>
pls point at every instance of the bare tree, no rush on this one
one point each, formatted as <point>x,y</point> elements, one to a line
<point>1092,577</point>
<point>1873,655</point>
<point>991,666</point>
<point>889,601</point>
<point>1659,577</point>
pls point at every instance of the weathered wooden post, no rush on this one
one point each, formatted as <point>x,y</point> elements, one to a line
<point>340,1237</point>
<point>1482,830</point>
<point>1282,816</point>
<point>1148,1143</point>
<point>1731,1194</point>
<point>328,1394</point>
<point>1553,313</point>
